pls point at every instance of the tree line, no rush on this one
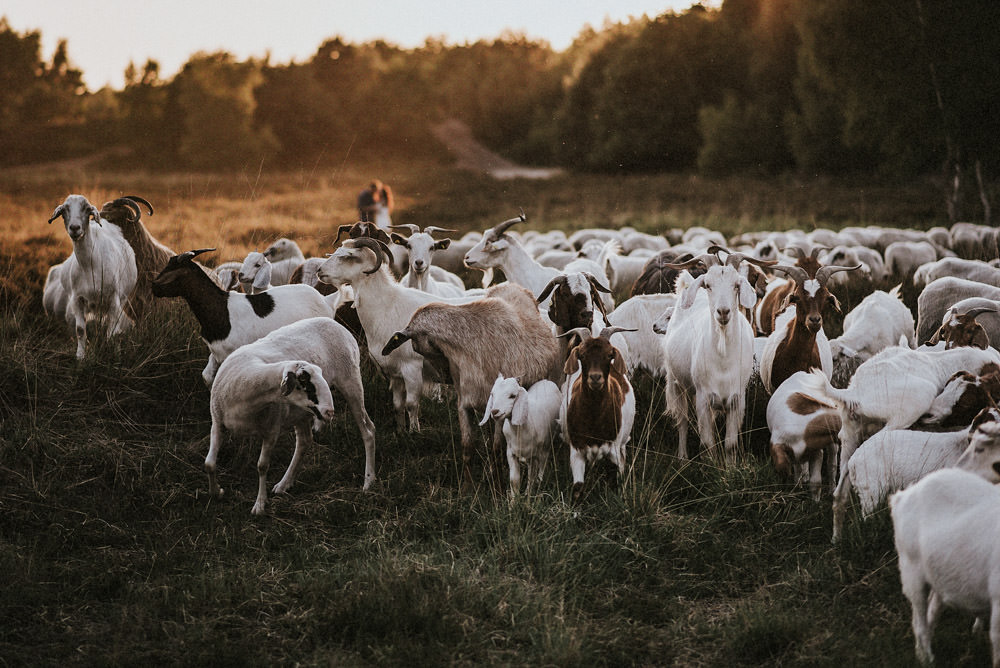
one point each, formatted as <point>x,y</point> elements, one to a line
<point>891,88</point>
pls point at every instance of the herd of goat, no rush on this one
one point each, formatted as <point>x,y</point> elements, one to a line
<point>548,355</point>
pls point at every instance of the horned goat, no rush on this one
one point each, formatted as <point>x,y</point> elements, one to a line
<point>798,342</point>
<point>383,307</point>
<point>472,343</point>
<point>598,407</point>
<point>422,274</point>
<point>708,354</point>
<point>284,378</point>
<point>940,295</point>
<point>963,396</point>
<point>530,419</point>
<point>229,320</point>
<point>150,254</point>
<point>99,276</point>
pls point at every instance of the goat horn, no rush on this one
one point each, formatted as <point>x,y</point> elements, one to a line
<point>500,228</point>
<point>431,229</point>
<point>376,246</point>
<point>798,251</point>
<point>414,229</point>
<point>687,264</point>
<point>582,332</point>
<point>797,274</point>
<point>187,256</point>
<point>608,332</point>
<point>139,200</point>
<point>561,279</point>
<point>979,310</point>
<point>823,273</point>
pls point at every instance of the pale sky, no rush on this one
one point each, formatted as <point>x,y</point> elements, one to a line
<point>104,35</point>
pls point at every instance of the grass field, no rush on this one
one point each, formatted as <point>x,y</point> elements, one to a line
<point>111,551</point>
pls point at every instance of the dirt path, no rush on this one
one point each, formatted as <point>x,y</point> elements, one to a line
<point>472,155</point>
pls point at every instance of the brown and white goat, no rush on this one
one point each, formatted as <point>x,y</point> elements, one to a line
<point>963,397</point>
<point>804,435</point>
<point>598,404</point>
<point>962,329</point>
<point>775,299</point>
<point>798,342</point>
<point>150,254</point>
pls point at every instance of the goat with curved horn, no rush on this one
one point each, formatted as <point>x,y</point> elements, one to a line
<point>500,228</point>
<point>823,273</point>
<point>378,247</point>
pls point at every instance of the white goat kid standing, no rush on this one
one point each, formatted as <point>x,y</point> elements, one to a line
<point>530,422</point>
<point>708,353</point>
<point>99,276</point>
<point>422,274</point>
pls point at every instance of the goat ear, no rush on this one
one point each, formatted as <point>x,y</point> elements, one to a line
<point>95,214</point>
<point>399,239</point>
<point>572,362</point>
<point>981,339</point>
<point>486,413</point>
<point>835,303</point>
<point>691,292</point>
<point>934,340</point>
<point>288,383</point>
<point>442,244</point>
<point>618,363</point>
<point>748,296</point>
<point>519,414</point>
<point>263,277</point>
<point>58,212</point>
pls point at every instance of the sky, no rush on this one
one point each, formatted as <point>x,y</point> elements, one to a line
<point>103,36</point>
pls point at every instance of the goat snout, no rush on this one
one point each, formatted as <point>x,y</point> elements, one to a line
<point>75,232</point>
<point>595,380</point>
<point>419,266</point>
<point>495,413</point>
<point>814,323</point>
<point>723,315</point>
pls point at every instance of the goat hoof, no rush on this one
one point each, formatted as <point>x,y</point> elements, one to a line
<point>577,492</point>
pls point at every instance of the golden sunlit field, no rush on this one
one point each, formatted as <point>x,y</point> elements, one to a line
<point>112,553</point>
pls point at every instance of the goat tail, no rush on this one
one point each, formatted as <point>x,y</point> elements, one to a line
<point>817,383</point>
<point>395,341</point>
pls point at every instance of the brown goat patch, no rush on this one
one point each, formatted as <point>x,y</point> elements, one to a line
<point>821,431</point>
<point>803,404</point>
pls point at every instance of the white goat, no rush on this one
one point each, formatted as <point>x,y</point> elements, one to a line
<point>645,347</point>
<point>881,320</point>
<point>281,378</point>
<point>892,460</point>
<point>285,256</point>
<point>947,535</point>
<point>708,353</point>
<point>903,257</point>
<point>530,422</point>
<point>892,390</point>
<point>255,273</point>
<point>99,276</point>
<point>422,274</point>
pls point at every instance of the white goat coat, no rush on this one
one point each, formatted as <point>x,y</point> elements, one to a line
<point>947,535</point>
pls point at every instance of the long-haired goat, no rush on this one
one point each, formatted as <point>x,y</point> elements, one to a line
<point>150,254</point>
<point>100,275</point>
<point>473,343</point>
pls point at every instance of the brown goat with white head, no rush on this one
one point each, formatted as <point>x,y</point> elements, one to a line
<point>599,404</point>
<point>798,342</point>
<point>962,329</point>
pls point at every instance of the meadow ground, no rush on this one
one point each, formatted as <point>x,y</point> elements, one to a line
<point>111,551</point>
